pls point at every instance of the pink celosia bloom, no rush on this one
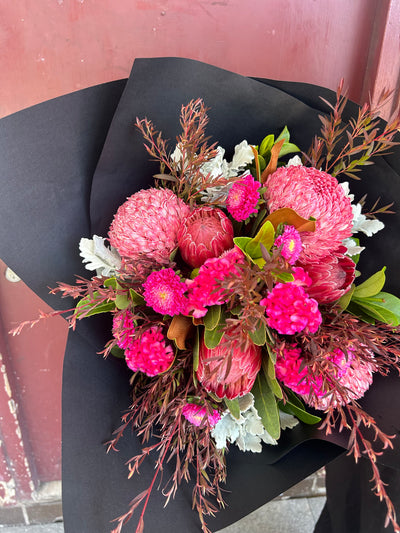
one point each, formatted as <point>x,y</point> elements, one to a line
<point>150,353</point>
<point>243,197</point>
<point>147,223</point>
<point>290,241</point>
<point>245,363</point>
<point>332,276</point>
<point>301,277</point>
<point>313,193</point>
<point>205,289</point>
<point>123,329</point>
<point>290,310</point>
<point>195,414</point>
<point>163,291</point>
<point>353,374</point>
<point>205,233</point>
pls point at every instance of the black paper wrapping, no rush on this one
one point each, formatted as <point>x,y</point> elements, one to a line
<point>66,166</point>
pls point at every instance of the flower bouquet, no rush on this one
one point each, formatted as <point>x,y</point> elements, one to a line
<point>232,285</point>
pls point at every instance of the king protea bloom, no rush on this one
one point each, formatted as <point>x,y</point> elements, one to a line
<point>230,369</point>
<point>205,233</point>
<point>313,193</point>
<point>147,224</point>
<point>331,276</point>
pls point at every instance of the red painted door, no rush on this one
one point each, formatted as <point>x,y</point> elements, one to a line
<point>65,45</point>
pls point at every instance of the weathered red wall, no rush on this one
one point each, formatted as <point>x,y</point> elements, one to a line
<point>53,47</point>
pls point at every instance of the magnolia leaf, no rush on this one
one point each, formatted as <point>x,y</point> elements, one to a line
<point>212,318</point>
<point>285,215</point>
<point>284,134</point>
<point>136,298</point>
<point>371,286</point>
<point>233,406</point>
<point>273,162</point>
<point>179,330</point>
<point>301,414</point>
<point>213,337</point>
<point>259,336</point>
<point>266,145</point>
<point>383,306</point>
<point>265,403</point>
<point>288,148</point>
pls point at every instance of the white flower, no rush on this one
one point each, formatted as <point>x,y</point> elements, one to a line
<point>352,247</point>
<point>369,226</point>
<point>98,256</point>
<point>242,157</point>
<point>247,431</point>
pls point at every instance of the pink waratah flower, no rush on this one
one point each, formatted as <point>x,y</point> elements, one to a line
<point>164,292</point>
<point>313,193</point>
<point>150,353</point>
<point>331,276</point>
<point>290,241</point>
<point>243,197</point>
<point>353,374</point>
<point>205,289</point>
<point>123,329</point>
<point>196,414</point>
<point>205,233</point>
<point>290,310</point>
<point>230,369</point>
<point>147,224</point>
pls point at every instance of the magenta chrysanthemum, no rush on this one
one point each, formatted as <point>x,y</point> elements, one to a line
<point>355,377</point>
<point>205,289</point>
<point>196,414</point>
<point>243,197</point>
<point>150,353</point>
<point>164,292</point>
<point>147,224</point>
<point>123,329</point>
<point>331,276</point>
<point>205,233</point>
<point>290,243</point>
<point>313,193</point>
<point>290,310</point>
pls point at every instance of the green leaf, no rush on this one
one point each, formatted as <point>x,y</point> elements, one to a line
<point>345,299</point>
<point>196,349</point>
<point>265,403</point>
<point>88,307</point>
<point>136,298</point>
<point>269,373</point>
<point>284,134</point>
<point>371,286</point>
<point>233,406</point>
<point>213,337</point>
<point>265,236</point>
<point>383,306</point>
<point>283,276</point>
<point>301,414</point>
<point>288,148</point>
<point>212,318</point>
<point>122,301</point>
<point>259,336</point>
<point>111,282</point>
<point>359,312</point>
<point>266,145</point>
<point>117,352</point>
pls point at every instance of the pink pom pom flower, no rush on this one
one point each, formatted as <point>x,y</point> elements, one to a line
<point>243,197</point>
<point>290,310</point>
<point>150,353</point>
<point>205,233</point>
<point>164,292</point>
<point>196,414</point>
<point>147,224</point>
<point>313,193</point>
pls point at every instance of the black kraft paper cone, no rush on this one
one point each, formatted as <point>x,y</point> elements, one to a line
<point>66,166</point>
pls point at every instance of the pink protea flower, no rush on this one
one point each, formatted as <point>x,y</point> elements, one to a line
<point>147,224</point>
<point>205,289</point>
<point>205,233</point>
<point>195,414</point>
<point>123,329</point>
<point>290,241</point>
<point>150,353</point>
<point>313,193</point>
<point>353,374</point>
<point>230,369</point>
<point>331,276</point>
<point>290,310</point>
<point>164,292</point>
<point>243,197</point>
